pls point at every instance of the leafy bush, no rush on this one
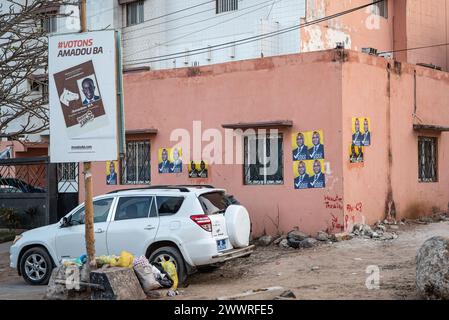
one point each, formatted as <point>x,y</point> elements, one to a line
<point>10,218</point>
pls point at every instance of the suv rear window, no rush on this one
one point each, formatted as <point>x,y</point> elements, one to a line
<point>167,206</point>
<point>132,208</point>
<point>216,202</point>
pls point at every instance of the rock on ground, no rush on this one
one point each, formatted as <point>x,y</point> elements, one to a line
<point>432,269</point>
<point>284,243</point>
<point>297,235</point>
<point>265,240</point>
<point>322,236</point>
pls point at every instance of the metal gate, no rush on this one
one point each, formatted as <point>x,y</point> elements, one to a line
<point>68,183</point>
<point>38,191</point>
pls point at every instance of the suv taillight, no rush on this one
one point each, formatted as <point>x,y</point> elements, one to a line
<point>203,221</point>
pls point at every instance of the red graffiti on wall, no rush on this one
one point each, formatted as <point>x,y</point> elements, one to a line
<point>353,211</point>
<point>335,224</point>
<point>333,202</point>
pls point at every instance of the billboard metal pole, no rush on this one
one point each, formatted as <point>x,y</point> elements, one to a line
<point>88,185</point>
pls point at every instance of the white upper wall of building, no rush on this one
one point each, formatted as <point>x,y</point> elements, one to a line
<point>200,27</point>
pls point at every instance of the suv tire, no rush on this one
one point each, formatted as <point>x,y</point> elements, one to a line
<point>36,266</point>
<point>171,254</point>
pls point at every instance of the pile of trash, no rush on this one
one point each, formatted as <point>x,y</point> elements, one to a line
<point>151,276</point>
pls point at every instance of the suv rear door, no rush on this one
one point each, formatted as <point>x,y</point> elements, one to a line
<point>134,225</point>
<point>214,205</point>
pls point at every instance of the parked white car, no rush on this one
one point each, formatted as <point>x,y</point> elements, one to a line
<point>193,226</point>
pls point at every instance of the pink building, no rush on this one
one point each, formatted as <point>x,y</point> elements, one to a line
<point>403,173</point>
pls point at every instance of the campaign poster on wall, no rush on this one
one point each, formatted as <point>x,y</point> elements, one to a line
<point>308,145</point>
<point>309,174</point>
<point>170,160</point>
<point>361,132</point>
<point>111,172</point>
<point>356,154</point>
<point>198,170</point>
<point>83,97</point>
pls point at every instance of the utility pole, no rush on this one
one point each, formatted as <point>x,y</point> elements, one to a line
<point>88,186</point>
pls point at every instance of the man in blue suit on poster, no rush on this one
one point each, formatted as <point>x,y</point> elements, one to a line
<point>177,162</point>
<point>317,150</point>
<point>300,153</point>
<point>366,137</point>
<point>357,136</point>
<point>164,166</point>
<point>318,180</point>
<point>302,181</point>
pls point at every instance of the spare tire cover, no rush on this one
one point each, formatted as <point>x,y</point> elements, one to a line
<point>238,226</point>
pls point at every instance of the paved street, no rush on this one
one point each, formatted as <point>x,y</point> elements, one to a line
<point>11,285</point>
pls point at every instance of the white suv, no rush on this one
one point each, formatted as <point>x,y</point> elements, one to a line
<point>193,226</point>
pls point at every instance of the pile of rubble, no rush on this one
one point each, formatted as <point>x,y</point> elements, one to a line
<point>381,231</point>
<point>295,239</point>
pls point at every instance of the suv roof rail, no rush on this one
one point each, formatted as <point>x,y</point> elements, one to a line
<point>207,186</point>
<point>180,188</point>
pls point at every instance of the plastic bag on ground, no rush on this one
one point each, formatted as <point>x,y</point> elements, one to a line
<point>125,260</point>
<point>107,260</point>
<point>146,278</point>
<point>162,276</point>
<point>170,268</point>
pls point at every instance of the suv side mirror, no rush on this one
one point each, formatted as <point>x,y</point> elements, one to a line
<point>65,222</point>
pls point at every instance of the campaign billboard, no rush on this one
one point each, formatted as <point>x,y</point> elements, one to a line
<point>83,97</point>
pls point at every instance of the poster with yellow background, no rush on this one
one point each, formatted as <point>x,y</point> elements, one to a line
<point>198,169</point>
<point>361,131</point>
<point>170,160</point>
<point>308,145</point>
<point>111,172</point>
<point>309,174</point>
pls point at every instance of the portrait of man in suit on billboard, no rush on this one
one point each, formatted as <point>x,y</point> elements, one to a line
<point>89,90</point>
<point>318,179</point>
<point>317,149</point>
<point>301,152</point>
<point>302,181</point>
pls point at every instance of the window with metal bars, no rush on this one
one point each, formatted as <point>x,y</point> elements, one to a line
<point>68,171</point>
<point>49,23</point>
<point>428,159</point>
<point>136,164</point>
<point>134,13</point>
<point>226,5</point>
<point>381,8</point>
<point>264,156</point>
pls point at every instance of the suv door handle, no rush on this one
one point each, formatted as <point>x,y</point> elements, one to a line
<point>149,227</point>
<point>99,230</point>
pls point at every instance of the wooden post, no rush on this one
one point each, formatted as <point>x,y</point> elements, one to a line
<point>88,185</point>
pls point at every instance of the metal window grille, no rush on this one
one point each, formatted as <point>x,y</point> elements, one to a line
<point>427,159</point>
<point>264,160</point>
<point>381,8</point>
<point>134,13</point>
<point>68,174</point>
<point>49,23</point>
<point>226,5</point>
<point>136,165</point>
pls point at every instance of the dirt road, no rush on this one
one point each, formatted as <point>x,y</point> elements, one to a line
<point>329,271</point>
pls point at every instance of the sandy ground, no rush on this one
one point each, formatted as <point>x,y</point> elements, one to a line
<point>329,271</point>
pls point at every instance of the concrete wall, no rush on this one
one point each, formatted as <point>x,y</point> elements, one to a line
<point>383,91</point>
<point>358,29</point>
<point>287,87</point>
<point>201,27</point>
